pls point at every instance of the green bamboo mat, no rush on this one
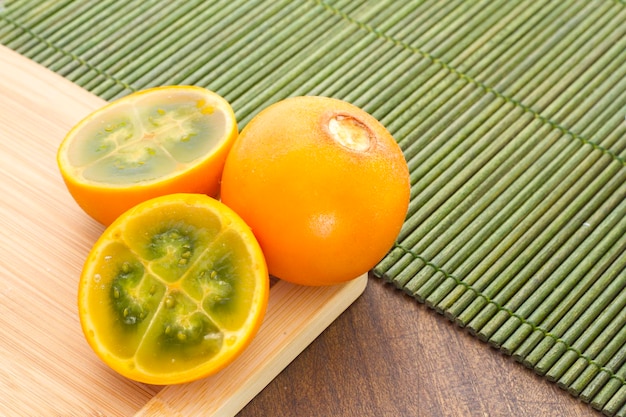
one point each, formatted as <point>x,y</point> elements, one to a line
<point>511,115</point>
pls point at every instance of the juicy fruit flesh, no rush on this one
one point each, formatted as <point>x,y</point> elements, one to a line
<point>174,296</point>
<point>146,139</point>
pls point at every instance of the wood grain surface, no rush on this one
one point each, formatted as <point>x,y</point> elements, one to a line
<point>46,366</point>
<point>388,355</point>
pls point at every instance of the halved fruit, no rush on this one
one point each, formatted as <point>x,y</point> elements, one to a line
<point>173,290</point>
<point>154,142</point>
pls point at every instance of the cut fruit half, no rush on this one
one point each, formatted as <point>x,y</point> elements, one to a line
<point>174,290</point>
<point>154,142</point>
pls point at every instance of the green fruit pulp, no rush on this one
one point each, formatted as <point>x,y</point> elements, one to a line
<point>172,290</point>
<point>146,138</point>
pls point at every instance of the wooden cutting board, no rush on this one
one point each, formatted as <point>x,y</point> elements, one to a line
<point>46,366</point>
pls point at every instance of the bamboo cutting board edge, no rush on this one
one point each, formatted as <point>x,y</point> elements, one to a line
<point>296,316</point>
<point>47,367</point>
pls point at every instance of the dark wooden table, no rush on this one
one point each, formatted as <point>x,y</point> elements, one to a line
<point>388,355</point>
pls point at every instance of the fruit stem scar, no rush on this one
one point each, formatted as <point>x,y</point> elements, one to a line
<point>350,132</point>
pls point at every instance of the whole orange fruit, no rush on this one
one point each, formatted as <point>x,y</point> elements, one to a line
<point>154,142</point>
<point>323,185</point>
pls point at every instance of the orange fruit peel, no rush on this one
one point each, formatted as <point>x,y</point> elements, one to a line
<point>173,290</point>
<point>159,141</point>
<point>323,185</point>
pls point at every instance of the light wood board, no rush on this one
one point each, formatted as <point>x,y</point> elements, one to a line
<point>46,366</point>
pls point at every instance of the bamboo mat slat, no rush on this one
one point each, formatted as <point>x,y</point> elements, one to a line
<point>511,114</point>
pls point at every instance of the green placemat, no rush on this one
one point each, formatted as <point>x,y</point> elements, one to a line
<point>510,113</point>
